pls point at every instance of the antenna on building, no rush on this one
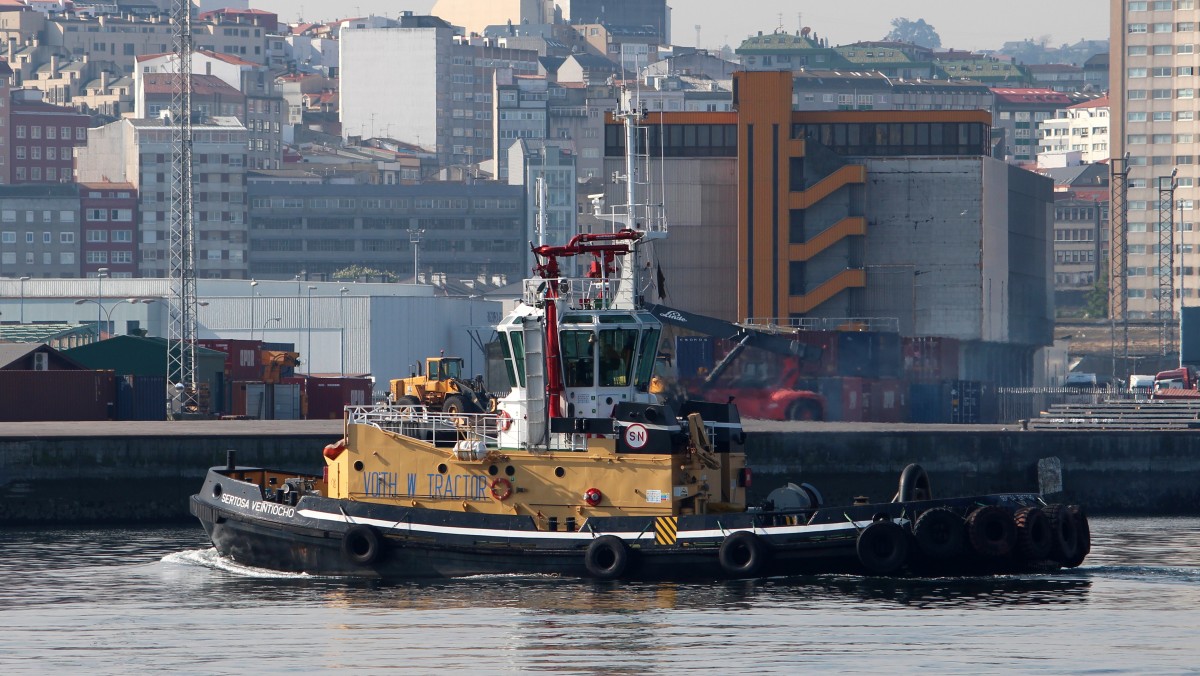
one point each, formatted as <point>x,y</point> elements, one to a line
<point>697,36</point>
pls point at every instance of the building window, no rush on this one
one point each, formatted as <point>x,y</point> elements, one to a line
<point>97,235</point>
<point>97,256</point>
<point>66,238</point>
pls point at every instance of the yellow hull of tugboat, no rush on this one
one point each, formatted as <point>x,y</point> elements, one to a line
<point>385,467</point>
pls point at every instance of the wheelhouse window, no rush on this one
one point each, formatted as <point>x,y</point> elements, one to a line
<point>617,348</point>
<point>579,360</point>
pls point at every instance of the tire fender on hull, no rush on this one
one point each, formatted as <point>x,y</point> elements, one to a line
<point>1034,538</point>
<point>742,554</point>
<point>940,534</point>
<point>992,532</point>
<point>882,548</point>
<point>1064,531</point>
<point>362,545</point>
<point>607,557</point>
<point>1083,536</point>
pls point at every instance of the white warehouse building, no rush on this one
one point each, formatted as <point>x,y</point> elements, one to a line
<point>377,329</point>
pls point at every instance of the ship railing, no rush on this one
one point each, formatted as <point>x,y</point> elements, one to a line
<point>789,324</point>
<point>418,422</point>
<point>580,293</point>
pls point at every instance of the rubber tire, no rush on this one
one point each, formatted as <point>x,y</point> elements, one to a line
<point>362,546</point>
<point>882,548</point>
<point>1034,538</point>
<point>914,485</point>
<point>456,403</point>
<point>803,410</point>
<point>607,557</point>
<point>408,400</point>
<point>742,554</point>
<point>1084,541</point>
<point>992,532</point>
<point>1064,534</point>
<point>940,533</point>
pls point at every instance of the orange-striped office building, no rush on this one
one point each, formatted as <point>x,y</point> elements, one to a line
<point>796,216</point>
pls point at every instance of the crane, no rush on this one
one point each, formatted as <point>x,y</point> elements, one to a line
<point>181,330</point>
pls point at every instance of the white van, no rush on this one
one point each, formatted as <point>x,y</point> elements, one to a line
<point>1141,384</point>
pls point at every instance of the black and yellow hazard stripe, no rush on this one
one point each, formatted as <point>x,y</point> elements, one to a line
<point>666,529</point>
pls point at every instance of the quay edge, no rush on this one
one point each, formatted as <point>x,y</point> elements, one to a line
<point>83,472</point>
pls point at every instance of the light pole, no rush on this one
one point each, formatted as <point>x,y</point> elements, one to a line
<point>414,238</point>
<point>264,327</point>
<point>253,283</point>
<point>23,280</point>
<point>108,310</point>
<point>342,330</point>
<point>100,275</point>
<point>308,355</point>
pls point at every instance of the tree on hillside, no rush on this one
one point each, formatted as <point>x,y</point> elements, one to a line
<point>915,32</point>
<point>1096,302</point>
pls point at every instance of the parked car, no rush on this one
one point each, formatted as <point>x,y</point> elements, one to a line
<point>1141,384</point>
<point>1083,381</point>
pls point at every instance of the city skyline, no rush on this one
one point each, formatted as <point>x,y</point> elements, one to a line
<point>870,20</point>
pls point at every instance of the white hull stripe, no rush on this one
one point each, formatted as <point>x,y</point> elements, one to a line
<point>578,535</point>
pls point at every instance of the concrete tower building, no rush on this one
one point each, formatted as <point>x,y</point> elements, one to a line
<point>1153,81</point>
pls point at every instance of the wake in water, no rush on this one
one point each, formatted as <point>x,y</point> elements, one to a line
<point>209,558</point>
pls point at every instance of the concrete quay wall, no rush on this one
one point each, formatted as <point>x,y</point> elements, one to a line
<point>141,475</point>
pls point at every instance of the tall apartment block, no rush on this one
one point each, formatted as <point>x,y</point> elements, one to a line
<point>1153,80</point>
<point>441,95</point>
<point>138,152</point>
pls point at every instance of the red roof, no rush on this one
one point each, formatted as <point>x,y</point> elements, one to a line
<point>1030,96</point>
<point>202,85</point>
<point>227,58</point>
<point>1101,102</point>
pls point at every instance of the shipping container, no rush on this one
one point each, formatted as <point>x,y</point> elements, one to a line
<point>966,401</point>
<point>855,406</point>
<point>326,398</point>
<point>830,389</point>
<point>825,343</point>
<point>247,398</point>
<point>287,401</point>
<point>693,356</point>
<point>57,395</point>
<point>242,357</point>
<point>889,401</point>
<point>141,397</point>
<point>927,403</point>
<point>869,354</point>
<point>931,359</point>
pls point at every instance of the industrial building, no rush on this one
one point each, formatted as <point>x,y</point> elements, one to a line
<point>338,328</point>
<point>779,216</point>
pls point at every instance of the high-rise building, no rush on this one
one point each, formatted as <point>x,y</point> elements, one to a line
<point>654,13</point>
<point>1153,133</point>
<point>442,96</point>
<point>138,152</point>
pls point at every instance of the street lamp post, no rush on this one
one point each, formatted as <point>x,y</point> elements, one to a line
<point>342,330</point>
<point>414,238</point>
<point>308,355</point>
<point>100,275</point>
<point>253,283</point>
<point>23,280</point>
<point>107,311</point>
<point>264,327</point>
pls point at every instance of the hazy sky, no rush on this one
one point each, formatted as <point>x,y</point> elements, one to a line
<point>962,24</point>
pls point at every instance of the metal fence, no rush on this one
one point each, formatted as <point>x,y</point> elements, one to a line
<point>1025,403</point>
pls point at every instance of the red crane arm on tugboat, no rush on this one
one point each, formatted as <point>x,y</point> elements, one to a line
<point>582,244</point>
<point>598,244</point>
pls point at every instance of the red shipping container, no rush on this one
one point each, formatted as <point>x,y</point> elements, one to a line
<point>58,395</point>
<point>242,357</point>
<point>326,398</point>
<point>855,406</point>
<point>931,359</point>
<point>826,342</point>
<point>888,401</point>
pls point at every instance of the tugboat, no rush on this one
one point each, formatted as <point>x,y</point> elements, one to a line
<point>582,471</point>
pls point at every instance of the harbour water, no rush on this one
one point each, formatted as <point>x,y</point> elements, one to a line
<point>160,600</point>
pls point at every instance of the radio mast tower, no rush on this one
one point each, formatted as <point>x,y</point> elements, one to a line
<point>181,336</point>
